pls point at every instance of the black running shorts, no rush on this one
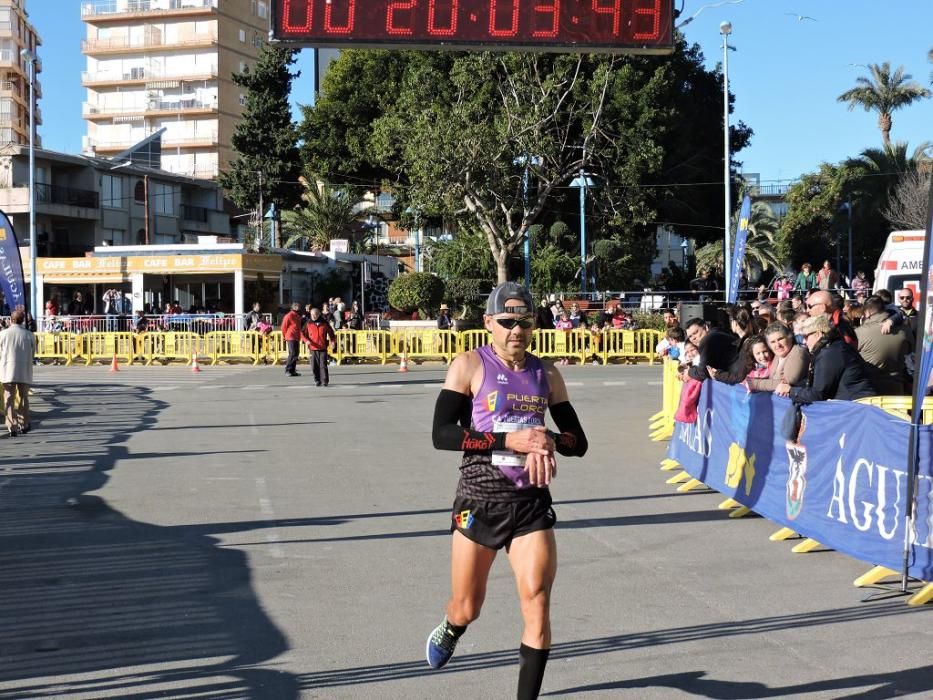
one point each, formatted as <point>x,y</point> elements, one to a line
<point>495,525</point>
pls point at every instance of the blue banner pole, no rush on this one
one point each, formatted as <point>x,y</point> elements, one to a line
<point>738,250</point>
<point>11,266</point>
<point>923,351</point>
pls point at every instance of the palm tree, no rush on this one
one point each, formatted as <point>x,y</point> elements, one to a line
<point>760,247</point>
<point>327,213</point>
<point>884,92</point>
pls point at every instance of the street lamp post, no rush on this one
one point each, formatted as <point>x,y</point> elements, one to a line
<point>726,29</point>
<point>30,59</point>
<point>527,162</point>
<point>582,181</point>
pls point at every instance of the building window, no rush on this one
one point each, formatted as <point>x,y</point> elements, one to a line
<point>262,9</point>
<point>242,66</point>
<point>257,40</point>
<point>243,36</point>
<point>111,192</point>
<point>139,192</point>
<point>242,100</point>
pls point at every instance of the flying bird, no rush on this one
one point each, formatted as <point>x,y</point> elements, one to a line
<point>706,7</point>
<point>801,18</point>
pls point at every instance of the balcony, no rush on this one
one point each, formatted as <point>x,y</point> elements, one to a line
<point>105,10</point>
<point>54,194</point>
<point>147,43</point>
<point>151,108</point>
<point>141,76</point>
<point>186,141</point>
<point>190,212</point>
<point>8,88</point>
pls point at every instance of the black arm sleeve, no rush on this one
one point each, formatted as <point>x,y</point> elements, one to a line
<point>571,442</point>
<point>452,426</point>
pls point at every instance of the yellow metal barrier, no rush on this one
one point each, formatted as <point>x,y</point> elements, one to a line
<point>573,344</point>
<point>424,343</point>
<point>473,339</point>
<point>662,425</point>
<point>363,345</point>
<point>901,406</point>
<point>229,346</point>
<point>168,347</point>
<point>104,346</point>
<point>56,347</point>
<point>273,347</point>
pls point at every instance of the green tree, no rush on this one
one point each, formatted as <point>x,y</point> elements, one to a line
<point>417,291</point>
<point>447,132</point>
<point>326,213</point>
<point>884,92</point>
<point>761,248</point>
<point>465,255</point>
<point>264,138</point>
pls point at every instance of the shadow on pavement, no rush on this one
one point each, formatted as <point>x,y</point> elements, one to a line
<point>97,604</point>
<point>635,640</point>
<point>869,686</point>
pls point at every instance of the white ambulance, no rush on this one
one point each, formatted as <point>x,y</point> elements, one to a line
<point>901,262</point>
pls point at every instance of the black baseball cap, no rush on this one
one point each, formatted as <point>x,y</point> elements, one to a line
<point>513,292</point>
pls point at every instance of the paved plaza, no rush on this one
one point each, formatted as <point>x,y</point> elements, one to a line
<point>240,534</point>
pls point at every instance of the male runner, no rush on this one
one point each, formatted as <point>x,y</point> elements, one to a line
<point>492,407</point>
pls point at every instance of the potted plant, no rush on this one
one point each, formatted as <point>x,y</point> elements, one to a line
<point>468,294</point>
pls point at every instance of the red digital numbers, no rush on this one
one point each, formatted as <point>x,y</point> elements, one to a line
<point>613,8</point>
<point>452,11</point>
<point>494,21</point>
<point>654,13</point>
<point>614,25</point>
<point>339,29</point>
<point>554,10</point>
<point>393,11</point>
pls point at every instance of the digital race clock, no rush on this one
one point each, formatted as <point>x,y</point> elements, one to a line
<point>630,26</point>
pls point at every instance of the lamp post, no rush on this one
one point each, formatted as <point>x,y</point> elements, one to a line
<point>726,29</point>
<point>848,207</point>
<point>30,59</point>
<point>526,162</point>
<point>683,249</point>
<point>582,181</point>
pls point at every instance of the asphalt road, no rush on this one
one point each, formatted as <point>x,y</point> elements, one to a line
<point>240,534</point>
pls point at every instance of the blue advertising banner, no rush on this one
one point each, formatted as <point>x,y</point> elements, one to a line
<point>844,483</point>
<point>11,266</point>
<point>738,250</point>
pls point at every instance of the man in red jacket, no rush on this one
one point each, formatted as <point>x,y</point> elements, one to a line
<point>318,335</point>
<point>291,332</point>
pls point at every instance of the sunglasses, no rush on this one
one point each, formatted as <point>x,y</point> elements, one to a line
<point>510,323</point>
<point>815,304</point>
<point>905,298</point>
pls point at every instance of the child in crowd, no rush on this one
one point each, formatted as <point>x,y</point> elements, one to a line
<point>689,357</point>
<point>672,344</point>
<point>596,341</point>
<point>563,323</point>
<point>762,357</point>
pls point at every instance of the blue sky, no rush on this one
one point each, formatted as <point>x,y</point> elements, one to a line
<point>785,75</point>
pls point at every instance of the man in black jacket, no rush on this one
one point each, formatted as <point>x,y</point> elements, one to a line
<point>717,349</point>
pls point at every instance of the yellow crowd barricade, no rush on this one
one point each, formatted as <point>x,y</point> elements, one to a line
<point>473,339</point>
<point>363,345</point>
<point>424,343</point>
<point>229,346</point>
<point>629,345</point>
<point>662,423</point>
<point>273,347</point>
<point>56,347</point>
<point>104,347</point>
<point>573,344</point>
<point>901,406</point>
<point>168,347</point>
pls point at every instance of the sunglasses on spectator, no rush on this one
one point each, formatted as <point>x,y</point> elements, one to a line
<point>905,298</point>
<point>510,323</point>
<point>816,303</point>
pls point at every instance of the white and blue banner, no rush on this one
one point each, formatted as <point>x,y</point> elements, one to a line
<point>844,483</point>
<point>738,250</point>
<point>11,266</point>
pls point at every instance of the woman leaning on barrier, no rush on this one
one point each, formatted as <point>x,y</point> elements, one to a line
<point>791,361</point>
<point>743,326</point>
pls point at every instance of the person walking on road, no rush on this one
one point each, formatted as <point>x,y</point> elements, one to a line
<point>17,354</point>
<point>492,408</point>
<point>291,332</point>
<point>319,335</point>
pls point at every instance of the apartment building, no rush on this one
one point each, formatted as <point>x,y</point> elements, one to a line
<point>167,64</point>
<point>16,34</point>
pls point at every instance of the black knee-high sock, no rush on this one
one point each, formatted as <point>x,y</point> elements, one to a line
<point>531,671</point>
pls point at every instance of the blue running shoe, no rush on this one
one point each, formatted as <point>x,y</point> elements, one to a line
<point>441,644</point>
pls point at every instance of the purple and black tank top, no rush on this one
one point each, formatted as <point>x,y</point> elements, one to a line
<point>507,400</point>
